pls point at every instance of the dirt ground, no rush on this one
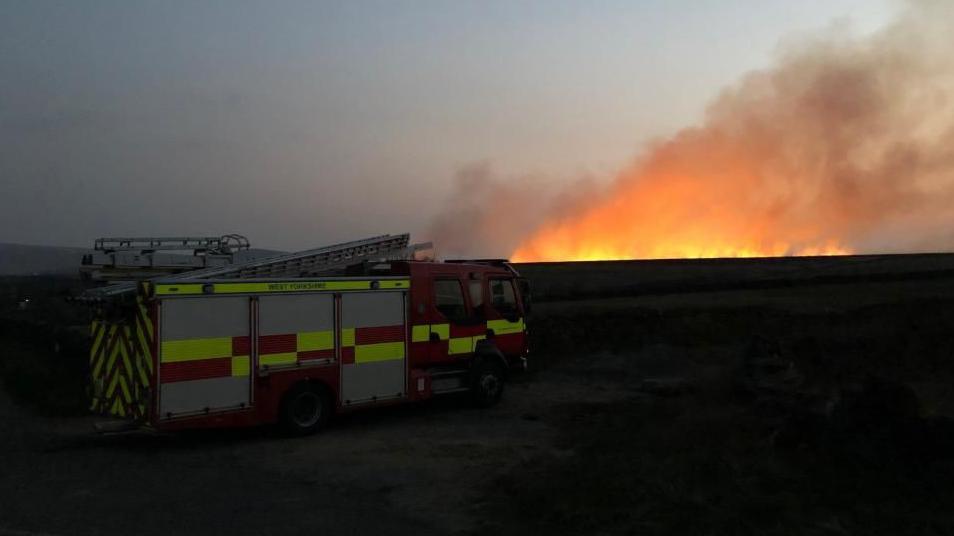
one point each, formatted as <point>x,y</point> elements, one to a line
<point>583,444</point>
<point>422,469</point>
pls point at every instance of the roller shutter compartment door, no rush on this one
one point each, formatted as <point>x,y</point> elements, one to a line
<point>295,330</point>
<point>204,355</point>
<point>373,346</point>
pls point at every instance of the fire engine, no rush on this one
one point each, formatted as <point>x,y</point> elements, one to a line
<point>203,351</point>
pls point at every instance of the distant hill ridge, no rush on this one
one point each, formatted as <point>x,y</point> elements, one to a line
<point>23,259</point>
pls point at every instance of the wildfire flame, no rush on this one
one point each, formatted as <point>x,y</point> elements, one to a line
<point>698,196</point>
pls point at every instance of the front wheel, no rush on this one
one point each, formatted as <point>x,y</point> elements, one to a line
<point>305,409</point>
<point>487,384</point>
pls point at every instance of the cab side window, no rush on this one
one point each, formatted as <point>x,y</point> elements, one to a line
<point>449,299</point>
<point>502,297</point>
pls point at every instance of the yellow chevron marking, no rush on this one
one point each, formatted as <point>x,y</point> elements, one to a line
<point>124,353</point>
<point>145,352</point>
<point>143,377</point>
<point>118,408</point>
<point>101,359</point>
<point>98,367</point>
<point>112,355</point>
<point>144,317</point>
<point>94,349</point>
<point>94,363</point>
<point>126,395</point>
<point>102,340</point>
<point>112,386</point>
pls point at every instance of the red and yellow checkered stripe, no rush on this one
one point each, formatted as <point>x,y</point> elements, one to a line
<point>201,359</point>
<point>463,339</point>
<point>372,344</point>
<point>198,359</point>
<point>292,348</point>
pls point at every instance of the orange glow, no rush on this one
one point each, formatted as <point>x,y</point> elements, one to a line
<point>698,196</point>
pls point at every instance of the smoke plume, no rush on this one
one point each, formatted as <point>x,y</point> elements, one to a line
<point>844,145</point>
<point>488,215</point>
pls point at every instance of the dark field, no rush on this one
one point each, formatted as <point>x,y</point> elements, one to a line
<point>791,396</point>
<point>582,280</point>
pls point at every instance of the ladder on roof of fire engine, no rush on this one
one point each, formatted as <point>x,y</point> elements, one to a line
<point>137,258</point>
<point>310,261</point>
<point>303,263</point>
<point>224,244</point>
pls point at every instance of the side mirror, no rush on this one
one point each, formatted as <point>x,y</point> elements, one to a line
<point>524,286</point>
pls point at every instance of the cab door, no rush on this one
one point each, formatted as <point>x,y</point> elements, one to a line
<point>505,320</point>
<point>455,329</point>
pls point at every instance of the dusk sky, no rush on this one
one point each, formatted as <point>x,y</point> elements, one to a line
<point>305,123</point>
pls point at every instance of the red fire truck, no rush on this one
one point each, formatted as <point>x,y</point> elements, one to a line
<point>234,352</point>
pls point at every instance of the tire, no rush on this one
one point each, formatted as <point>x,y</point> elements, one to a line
<point>305,409</point>
<point>487,383</point>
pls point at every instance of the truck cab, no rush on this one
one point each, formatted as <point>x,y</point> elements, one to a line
<point>458,310</point>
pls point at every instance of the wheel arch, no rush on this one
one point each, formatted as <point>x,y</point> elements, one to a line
<point>485,351</point>
<point>316,419</point>
<point>329,394</point>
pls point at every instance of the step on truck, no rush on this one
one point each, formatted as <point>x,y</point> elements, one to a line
<point>182,354</point>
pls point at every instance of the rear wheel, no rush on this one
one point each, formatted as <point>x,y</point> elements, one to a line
<point>487,383</point>
<point>305,409</point>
